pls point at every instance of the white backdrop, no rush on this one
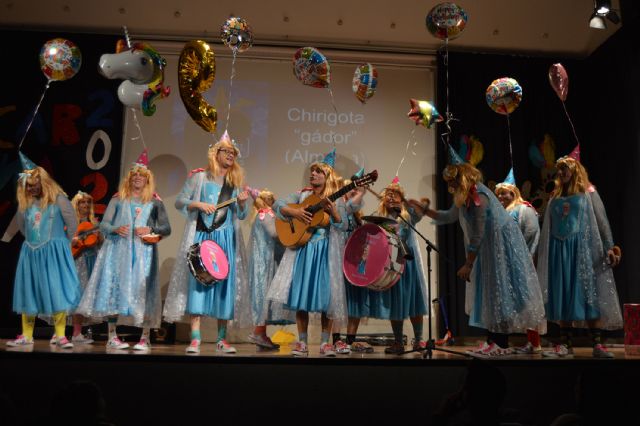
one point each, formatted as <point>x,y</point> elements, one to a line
<point>282,126</point>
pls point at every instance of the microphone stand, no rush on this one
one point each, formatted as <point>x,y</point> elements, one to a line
<point>427,351</point>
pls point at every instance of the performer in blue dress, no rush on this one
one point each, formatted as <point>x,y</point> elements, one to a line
<point>227,299</point>
<point>124,286</point>
<point>46,281</point>
<point>265,251</point>
<point>575,260</point>
<point>526,217</point>
<point>407,298</point>
<point>503,295</point>
<point>309,278</point>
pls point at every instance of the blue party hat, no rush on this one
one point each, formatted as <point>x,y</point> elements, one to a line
<point>330,158</point>
<point>454,157</point>
<point>26,163</point>
<point>359,173</point>
<point>510,179</point>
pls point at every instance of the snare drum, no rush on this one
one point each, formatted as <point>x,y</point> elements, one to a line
<point>372,258</point>
<point>208,262</point>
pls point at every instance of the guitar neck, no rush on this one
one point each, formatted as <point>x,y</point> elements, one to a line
<point>226,203</point>
<point>339,193</point>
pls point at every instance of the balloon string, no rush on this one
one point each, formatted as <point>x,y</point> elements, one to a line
<point>510,146</point>
<point>33,116</point>
<point>446,136</point>
<point>126,36</point>
<point>407,150</point>
<point>333,104</point>
<point>575,135</point>
<point>233,74</point>
<point>137,124</point>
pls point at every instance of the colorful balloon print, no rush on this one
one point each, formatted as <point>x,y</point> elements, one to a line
<point>365,81</point>
<point>60,59</point>
<point>311,67</point>
<point>446,21</point>
<point>504,95</point>
<point>423,113</point>
<point>237,34</point>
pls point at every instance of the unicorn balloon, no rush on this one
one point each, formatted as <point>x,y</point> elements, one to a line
<point>142,69</point>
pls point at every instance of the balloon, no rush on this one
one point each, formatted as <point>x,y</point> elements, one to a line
<point>60,59</point>
<point>559,80</point>
<point>142,69</point>
<point>311,67</point>
<point>446,21</point>
<point>422,112</point>
<point>504,95</point>
<point>236,34</point>
<point>196,72</point>
<point>365,81</point>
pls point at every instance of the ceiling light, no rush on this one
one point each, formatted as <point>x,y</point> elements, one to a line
<point>602,9</point>
<point>597,22</point>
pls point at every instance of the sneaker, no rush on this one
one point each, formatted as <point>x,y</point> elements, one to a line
<point>20,341</point>
<point>53,340</point>
<point>142,345</point>
<point>342,348</point>
<point>419,345</point>
<point>327,349</point>
<point>64,343</point>
<point>116,343</point>
<point>194,347</point>
<point>362,347</point>
<point>395,349</point>
<point>527,349</point>
<point>559,351</point>
<point>224,347</point>
<point>481,348</point>
<point>494,350</point>
<point>81,339</point>
<point>264,342</point>
<point>300,349</point>
<point>600,351</point>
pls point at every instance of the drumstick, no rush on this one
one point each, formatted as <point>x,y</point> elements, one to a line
<point>378,196</point>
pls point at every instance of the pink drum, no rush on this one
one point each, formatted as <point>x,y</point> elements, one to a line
<point>207,262</point>
<point>372,258</point>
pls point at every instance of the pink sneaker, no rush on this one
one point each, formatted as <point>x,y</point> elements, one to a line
<point>327,349</point>
<point>142,345</point>
<point>20,340</point>
<point>224,347</point>
<point>600,351</point>
<point>300,349</point>
<point>194,347</point>
<point>64,343</point>
<point>342,348</point>
<point>116,343</point>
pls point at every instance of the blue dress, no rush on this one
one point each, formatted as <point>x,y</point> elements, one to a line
<point>503,295</point>
<point>216,300</point>
<point>527,220</point>
<point>407,297</point>
<point>357,296</point>
<point>310,289</point>
<point>572,262</point>
<point>46,280</point>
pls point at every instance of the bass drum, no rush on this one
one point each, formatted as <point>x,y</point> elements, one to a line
<point>372,258</point>
<point>207,262</point>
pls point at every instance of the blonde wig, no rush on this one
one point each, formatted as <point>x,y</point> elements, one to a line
<point>332,180</point>
<point>264,200</point>
<point>84,196</point>
<point>466,176</point>
<point>382,208</point>
<point>235,175</point>
<point>507,187</point>
<point>579,182</point>
<point>124,192</point>
<point>50,189</point>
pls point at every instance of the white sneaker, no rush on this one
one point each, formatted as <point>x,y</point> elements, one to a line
<point>527,349</point>
<point>300,349</point>
<point>559,351</point>
<point>327,349</point>
<point>20,341</point>
<point>142,345</point>
<point>81,339</point>
<point>224,347</point>
<point>600,351</point>
<point>342,348</point>
<point>116,343</point>
<point>194,347</point>
<point>64,343</point>
<point>53,340</point>
<point>483,347</point>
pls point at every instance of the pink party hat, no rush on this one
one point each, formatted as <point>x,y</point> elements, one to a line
<point>143,159</point>
<point>395,181</point>
<point>575,154</point>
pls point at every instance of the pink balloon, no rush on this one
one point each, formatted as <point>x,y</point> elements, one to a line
<point>559,80</point>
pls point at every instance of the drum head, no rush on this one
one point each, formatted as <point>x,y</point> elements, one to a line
<point>366,255</point>
<point>214,260</point>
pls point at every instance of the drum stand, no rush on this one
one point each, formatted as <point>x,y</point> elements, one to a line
<point>427,351</point>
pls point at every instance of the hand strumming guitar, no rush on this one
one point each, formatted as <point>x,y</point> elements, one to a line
<point>203,207</point>
<point>297,213</point>
<point>330,208</point>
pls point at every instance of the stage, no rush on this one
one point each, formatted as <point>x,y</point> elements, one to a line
<point>166,386</point>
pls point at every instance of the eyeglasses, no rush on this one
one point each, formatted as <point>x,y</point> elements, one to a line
<point>227,151</point>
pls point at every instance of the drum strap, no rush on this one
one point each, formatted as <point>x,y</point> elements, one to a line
<point>220,215</point>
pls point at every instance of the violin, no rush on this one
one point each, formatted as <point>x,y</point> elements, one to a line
<point>88,236</point>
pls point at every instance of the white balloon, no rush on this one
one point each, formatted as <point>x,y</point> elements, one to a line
<point>135,65</point>
<point>131,95</point>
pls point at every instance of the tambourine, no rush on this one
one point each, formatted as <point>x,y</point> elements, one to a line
<point>151,238</point>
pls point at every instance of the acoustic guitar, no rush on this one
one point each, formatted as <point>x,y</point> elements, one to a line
<point>88,236</point>
<point>295,233</point>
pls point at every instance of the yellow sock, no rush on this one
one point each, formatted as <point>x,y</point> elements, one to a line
<point>28,324</point>
<point>60,321</point>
